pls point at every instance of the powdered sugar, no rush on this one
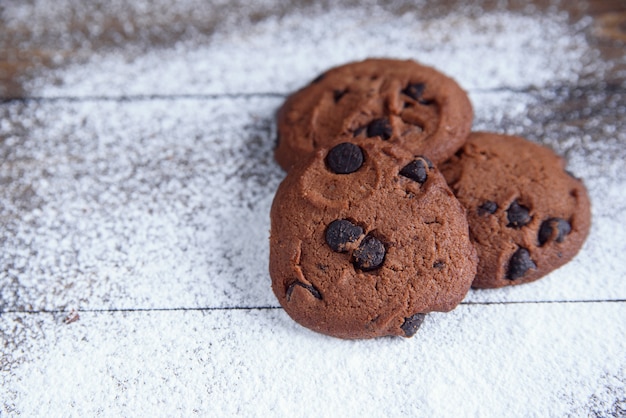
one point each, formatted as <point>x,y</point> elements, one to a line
<point>159,201</point>
<point>280,54</point>
<point>108,202</point>
<point>227,363</point>
<point>128,197</point>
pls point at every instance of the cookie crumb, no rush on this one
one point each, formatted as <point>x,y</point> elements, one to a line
<point>71,317</point>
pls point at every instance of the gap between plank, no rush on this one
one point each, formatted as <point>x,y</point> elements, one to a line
<point>253,308</point>
<point>609,87</point>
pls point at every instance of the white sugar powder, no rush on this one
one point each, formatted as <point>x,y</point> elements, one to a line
<point>108,203</point>
<point>253,363</point>
<point>162,203</point>
<point>492,50</point>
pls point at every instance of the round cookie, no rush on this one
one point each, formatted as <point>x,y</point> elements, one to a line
<point>401,102</point>
<point>365,240</point>
<point>527,215</point>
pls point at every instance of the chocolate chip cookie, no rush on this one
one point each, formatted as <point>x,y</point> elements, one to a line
<point>527,214</point>
<point>366,239</point>
<point>400,102</point>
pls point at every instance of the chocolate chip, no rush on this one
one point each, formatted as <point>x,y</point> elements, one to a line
<point>488,207</point>
<point>519,264</point>
<point>414,91</point>
<point>517,215</point>
<point>439,265</point>
<point>370,254</point>
<point>340,233</point>
<point>412,324</point>
<point>318,78</point>
<point>417,170</point>
<point>344,158</point>
<point>338,94</point>
<point>316,293</point>
<point>551,226</point>
<point>380,127</point>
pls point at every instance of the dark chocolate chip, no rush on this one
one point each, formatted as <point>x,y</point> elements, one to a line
<point>380,127</point>
<point>488,207</point>
<point>344,158</point>
<point>338,94</point>
<point>316,293</point>
<point>417,170</point>
<point>318,78</point>
<point>340,233</point>
<point>519,264</point>
<point>439,265</point>
<point>517,215</point>
<point>555,229</point>
<point>370,254</point>
<point>414,91</point>
<point>412,324</point>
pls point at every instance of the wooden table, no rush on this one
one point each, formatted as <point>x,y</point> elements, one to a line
<point>137,174</point>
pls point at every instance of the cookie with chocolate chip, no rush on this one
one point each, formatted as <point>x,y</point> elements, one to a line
<point>366,239</point>
<point>527,215</point>
<point>399,102</point>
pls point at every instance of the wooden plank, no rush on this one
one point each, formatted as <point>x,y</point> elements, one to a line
<point>522,360</point>
<point>598,7</point>
<point>490,52</point>
<point>136,175</point>
<point>163,203</point>
<point>107,208</point>
<point>37,39</point>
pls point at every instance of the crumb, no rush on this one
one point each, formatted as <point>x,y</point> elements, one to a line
<point>73,316</point>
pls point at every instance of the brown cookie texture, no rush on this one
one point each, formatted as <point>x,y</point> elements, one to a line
<point>365,240</point>
<point>400,102</point>
<point>527,215</point>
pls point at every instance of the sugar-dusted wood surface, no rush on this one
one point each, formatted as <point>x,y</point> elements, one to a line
<point>137,174</point>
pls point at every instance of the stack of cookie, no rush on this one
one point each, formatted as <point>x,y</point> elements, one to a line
<point>392,208</point>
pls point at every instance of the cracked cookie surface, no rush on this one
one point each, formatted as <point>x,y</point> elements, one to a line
<point>527,215</point>
<point>368,251</point>
<point>401,102</point>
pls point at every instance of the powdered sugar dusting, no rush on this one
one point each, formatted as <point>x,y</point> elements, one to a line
<point>142,182</point>
<point>110,202</point>
<point>261,363</point>
<point>491,51</point>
